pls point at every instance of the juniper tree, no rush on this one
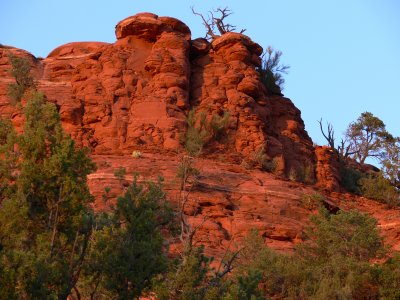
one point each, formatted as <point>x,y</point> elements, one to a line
<point>45,215</point>
<point>20,70</point>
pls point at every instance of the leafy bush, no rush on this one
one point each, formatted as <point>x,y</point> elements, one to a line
<point>218,125</point>
<point>260,159</point>
<point>24,81</point>
<point>120,173</point>
<point>271,71</point>
<point>389,278</point>
<point>304,173</point>
<point>200,131</point>
<point>192,278</point>
<point>333,262</point>
<point>379,188</point>
<point>311,201</point>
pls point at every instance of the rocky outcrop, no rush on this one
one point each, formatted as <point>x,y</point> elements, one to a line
<point>224,78</point>
<point>136,92</point>
<point>229,200</point>
<point>328,168</point>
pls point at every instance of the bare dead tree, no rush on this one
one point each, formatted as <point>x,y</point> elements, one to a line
<point>343,149</point>
<point>226,265</point>
<point>330,137</point>
<point>216,20</point>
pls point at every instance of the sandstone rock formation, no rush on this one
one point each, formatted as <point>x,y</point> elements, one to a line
<point>328,168</point>
<point>135,94</point>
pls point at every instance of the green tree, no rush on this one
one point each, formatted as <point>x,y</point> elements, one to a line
<point>191,278</point>
<point>271,71</point>
<point>367,137</point>
<point>380,188</point>
<point>333,263</point>
<point>43,177</point>
<point>24,81</point>
<point>389,278</point>
<point>391,161</point>
<point>127,246</point>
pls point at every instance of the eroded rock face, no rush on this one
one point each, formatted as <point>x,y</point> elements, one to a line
<point>224,78</point>
<point>229,200</point>
<point>136,92</point>
<point>328,168</point>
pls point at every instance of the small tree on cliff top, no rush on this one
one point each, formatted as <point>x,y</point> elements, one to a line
<point>271,70</point>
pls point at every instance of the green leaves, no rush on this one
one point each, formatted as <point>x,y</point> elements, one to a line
<point>367,137</point>
<point>201,131</point>
<point>51,241</point>
<point>127,249</point>
<point>271,71</point>
<point>45,191</point>
<point>23,79</point>
<point>334,262</point>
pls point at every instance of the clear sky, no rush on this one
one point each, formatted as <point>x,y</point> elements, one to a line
<point>344,54</point>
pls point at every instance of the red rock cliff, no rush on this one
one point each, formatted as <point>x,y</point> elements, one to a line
<point>136,92</point>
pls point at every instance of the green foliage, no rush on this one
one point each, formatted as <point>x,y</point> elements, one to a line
<point>271,71</point>
<point>187,279</point>
<point>54,244</point>
<point>390,161</point>
<point>200,131</point>
<point>270,165</point>
<point>380,188</point>
<point>186,170</point>
<point>349,179</point>
<point>293,175</point>
<point>192,278</point>
<point>42,247</point>
<point>127,250</point>
<point>196,135</point>
<point>311,201</point>
<point>367,137</point>
<point>333,263</point>
<point>120,173</point>
<point>304,173</point>
<point>389,278</point>
<point>24,81</point>
<point>349,234</point>
<point>218,125</point>
<point>259,159</point>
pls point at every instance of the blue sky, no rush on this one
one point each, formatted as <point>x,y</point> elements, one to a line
<point>344,54</point>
